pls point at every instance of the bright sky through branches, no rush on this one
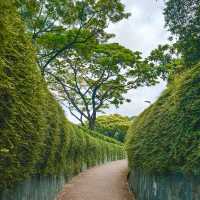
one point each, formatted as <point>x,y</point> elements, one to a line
<point>143,31</point>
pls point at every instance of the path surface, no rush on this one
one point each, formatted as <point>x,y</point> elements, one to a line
<point>106,182</point>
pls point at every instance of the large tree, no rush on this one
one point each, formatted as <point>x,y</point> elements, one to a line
<point>90,83</point>
<point>70,37</point>
<point>183,20</point>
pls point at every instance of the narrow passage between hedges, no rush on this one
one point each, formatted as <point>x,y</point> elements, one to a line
<point>106,182</point>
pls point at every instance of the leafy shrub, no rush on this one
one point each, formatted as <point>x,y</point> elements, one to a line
<point>166,136</point>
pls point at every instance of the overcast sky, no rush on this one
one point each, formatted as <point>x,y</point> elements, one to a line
<point>143,31</point>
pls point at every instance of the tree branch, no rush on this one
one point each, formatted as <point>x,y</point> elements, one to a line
<point>67,93</point>
<point>74,115</point>
<point>79,90</point>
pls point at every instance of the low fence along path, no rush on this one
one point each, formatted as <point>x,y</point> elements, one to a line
<point>106,182</point>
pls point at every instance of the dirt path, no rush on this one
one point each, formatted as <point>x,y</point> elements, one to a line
<point>107,182</point>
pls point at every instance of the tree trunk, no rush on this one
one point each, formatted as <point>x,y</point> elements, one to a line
<point>91,124</point>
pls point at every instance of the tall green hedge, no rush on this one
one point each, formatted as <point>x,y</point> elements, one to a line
<point>166,136</point>
<point>35,136</point>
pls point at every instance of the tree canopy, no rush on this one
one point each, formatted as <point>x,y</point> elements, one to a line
<point>182,17</point>
<point>115,126</point>
<point>56,26</point>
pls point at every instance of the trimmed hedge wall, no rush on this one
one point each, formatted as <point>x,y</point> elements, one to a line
<point>35,136</point>
<point>166,136</point>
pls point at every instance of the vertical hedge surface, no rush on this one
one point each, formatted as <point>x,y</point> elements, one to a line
<point>35,136</point>
<point>166,136</point>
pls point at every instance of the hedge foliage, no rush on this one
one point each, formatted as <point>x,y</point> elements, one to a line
<point>35,136</point>
<point>100,136</point>
<point>166,136</point>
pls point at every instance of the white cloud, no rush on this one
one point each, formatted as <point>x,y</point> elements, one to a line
<point>143,31</point>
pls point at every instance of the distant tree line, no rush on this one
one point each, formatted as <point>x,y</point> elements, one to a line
<point>114,126</point>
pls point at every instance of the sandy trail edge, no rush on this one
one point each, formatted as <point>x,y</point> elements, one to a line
<point>106,182</point>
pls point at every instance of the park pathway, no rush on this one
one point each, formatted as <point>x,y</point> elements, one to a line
<point>106,182</point>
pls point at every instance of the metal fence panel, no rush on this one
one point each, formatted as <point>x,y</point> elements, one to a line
<point>164,187</point>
